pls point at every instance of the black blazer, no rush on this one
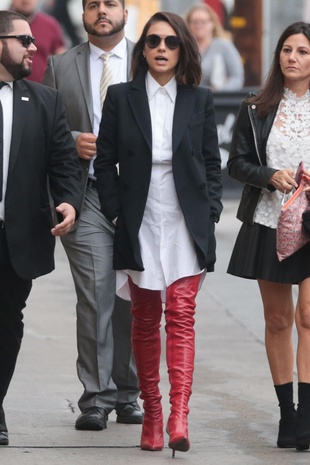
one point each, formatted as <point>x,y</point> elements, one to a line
<point>125,137</point>
<point>42,151</point>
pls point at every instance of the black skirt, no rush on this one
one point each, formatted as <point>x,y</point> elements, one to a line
<point>254,256</point>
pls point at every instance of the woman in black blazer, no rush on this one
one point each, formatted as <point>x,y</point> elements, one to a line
<point>164,197</point>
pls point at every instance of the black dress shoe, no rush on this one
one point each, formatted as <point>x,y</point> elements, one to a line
<point>129,413</point>
<point>4,437</point>
<point>93,419</point>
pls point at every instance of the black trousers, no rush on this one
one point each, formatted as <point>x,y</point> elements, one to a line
<point>14,292</point>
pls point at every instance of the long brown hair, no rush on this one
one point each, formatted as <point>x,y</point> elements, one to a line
<point>272,92</point>
<point>188,70</point>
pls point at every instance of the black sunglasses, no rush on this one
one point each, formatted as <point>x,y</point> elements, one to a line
<point>153,40</point>
<point>25,40</point>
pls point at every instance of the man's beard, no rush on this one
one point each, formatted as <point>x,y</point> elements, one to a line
<point>16,70</point>
<point>117,27</point>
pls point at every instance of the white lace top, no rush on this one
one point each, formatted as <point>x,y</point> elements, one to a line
<point>288,144</point>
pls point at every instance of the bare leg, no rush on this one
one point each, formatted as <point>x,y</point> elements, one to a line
<point>303,328</point>
<point>279,320</point>
<point>303,365</point>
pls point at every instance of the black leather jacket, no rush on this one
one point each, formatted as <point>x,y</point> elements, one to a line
<point>247,158</point>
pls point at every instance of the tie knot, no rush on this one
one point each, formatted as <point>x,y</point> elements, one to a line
<point>105,57</point>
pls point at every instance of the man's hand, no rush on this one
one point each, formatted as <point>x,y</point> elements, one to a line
<point>86,145</point>
<point>69,214</point>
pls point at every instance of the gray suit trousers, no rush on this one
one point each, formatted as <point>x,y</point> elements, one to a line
<point>105,365</point>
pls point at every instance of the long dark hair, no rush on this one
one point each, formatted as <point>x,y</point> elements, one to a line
<point>272,92</point>
<point>188,70</point>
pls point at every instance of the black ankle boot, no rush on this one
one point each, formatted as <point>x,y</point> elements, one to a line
<point>302,431</point>
<point>287,423</point>
<point>286,436</point>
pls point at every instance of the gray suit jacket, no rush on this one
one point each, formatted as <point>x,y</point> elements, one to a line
<point>70,74</point>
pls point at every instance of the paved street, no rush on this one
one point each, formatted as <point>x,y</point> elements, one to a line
<point>234,412</point>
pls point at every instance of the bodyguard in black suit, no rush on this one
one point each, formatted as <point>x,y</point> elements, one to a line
<point>38,150</point>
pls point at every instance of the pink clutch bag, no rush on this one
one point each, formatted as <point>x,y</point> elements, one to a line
<point>291,235</point>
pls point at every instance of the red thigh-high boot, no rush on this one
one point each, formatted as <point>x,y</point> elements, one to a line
<point>179,313</point>
<point>147,311</point>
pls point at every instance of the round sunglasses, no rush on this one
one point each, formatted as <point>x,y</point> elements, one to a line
<point>171,42</point>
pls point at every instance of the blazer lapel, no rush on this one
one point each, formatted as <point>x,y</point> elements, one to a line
<point>21,102</point>
<point>82,66</point>
<point>130,46</point>
<point>140,107</point>
<point>184,106</point>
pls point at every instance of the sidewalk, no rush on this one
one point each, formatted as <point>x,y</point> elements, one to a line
<point>234,413</point>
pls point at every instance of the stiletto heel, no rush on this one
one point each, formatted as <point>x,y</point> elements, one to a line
<point>177,430</point>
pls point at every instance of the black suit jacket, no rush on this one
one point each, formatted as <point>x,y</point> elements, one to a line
<point>125,137</point>
<point>42,152</point>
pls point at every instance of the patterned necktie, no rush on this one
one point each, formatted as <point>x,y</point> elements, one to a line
<point>106,77</point>
<point>1,143</point>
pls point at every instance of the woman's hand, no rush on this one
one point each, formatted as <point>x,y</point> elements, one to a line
<point>283,180</point>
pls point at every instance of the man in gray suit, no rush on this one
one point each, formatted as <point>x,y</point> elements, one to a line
<point>105,366</point>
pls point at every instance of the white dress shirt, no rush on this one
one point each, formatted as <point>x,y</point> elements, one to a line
<point>118,61</point>
<point>167,249</point>
<point>6,97</point>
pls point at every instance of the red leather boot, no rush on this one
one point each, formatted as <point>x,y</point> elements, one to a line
<point>147,311</point>
<point>179,313</point>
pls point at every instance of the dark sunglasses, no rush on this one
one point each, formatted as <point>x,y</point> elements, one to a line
<point>25,40</point>
<point>153,40</point>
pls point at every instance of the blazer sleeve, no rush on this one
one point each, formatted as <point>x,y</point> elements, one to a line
<point>105,164</point>
<point>64,170</point>
<point>212,159</point>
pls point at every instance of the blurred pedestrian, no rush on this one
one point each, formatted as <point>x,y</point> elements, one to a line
<point>160,131</point>
<point>222,67</point>
<point>47,32</point>
<point>60,11</point>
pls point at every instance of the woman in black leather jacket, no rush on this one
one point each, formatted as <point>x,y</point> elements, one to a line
<point>271,137</point>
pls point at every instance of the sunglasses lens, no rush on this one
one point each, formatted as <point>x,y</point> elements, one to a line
<point>152,40</point>
<point>172,42</point>
<point>27,40</point>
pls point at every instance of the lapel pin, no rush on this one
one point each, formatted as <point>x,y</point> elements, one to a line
<point>26,99</point>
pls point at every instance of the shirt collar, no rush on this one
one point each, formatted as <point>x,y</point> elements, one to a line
<point>119,50</point>
<point>9,83</point>
<point>152,87</point>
